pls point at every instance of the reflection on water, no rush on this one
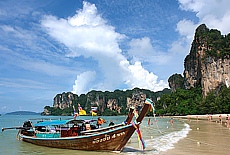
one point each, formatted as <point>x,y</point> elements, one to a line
<point>159,136</point>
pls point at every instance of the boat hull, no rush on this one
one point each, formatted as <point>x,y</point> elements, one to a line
<point>109,140</point>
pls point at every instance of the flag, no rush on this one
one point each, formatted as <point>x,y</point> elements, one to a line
<point>82,112</point>
<point>94,111</point>
<point>75,114</point>
<point>149,101</point>
<point>79,107</point>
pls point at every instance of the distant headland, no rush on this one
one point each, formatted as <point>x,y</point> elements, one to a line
<point>23,113</point>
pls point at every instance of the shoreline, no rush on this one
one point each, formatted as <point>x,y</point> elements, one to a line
<point>205,137</point>
<point>215,118</point>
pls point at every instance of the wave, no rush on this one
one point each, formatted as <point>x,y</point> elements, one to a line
<point>161,143</point>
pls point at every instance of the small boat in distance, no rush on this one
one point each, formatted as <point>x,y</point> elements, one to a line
<point>81,134</point>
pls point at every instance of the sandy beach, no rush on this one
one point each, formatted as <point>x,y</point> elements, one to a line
<point>205,137</point>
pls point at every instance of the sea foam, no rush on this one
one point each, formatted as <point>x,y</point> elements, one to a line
<point>162,143</point>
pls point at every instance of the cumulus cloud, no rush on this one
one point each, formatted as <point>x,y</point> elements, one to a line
<point>82,82</point>
<point>139,77</point>
<point>87,34</point>
<point>143,50</point>
<point>215,14</point>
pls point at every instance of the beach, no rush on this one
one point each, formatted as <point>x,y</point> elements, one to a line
<point>205,137</point>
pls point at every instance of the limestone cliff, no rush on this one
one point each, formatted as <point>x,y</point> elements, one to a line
<point>137,100</point>
<point>176,81</point>
<point>63,100</point>
<point>112,104</point>
<point>208,63</point>
<point>117,101</point>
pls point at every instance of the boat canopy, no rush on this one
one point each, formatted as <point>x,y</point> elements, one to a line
<point>62,122</point>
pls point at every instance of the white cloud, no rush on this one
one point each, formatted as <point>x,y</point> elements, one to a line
<point>88,16</point>
<point>139,77</point>
<point>143,50</point>
<point>87,34</point>
<point>83,81</point>
<point>181,47</point>
<point>214,13</point>
<point>191,5</point>
<point>186,28</point>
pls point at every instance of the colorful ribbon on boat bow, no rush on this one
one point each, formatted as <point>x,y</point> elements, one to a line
<point>149,101</point>
<point>140,138</point>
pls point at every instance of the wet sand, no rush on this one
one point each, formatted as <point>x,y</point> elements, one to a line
<point>205,137</point>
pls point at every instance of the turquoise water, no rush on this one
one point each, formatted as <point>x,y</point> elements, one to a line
<point>159,136</point>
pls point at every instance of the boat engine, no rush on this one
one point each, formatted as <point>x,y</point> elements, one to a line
<point>27,129</point>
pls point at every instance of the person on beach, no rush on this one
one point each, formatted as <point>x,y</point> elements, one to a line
<point>149,122</point>
<point>209,117</point>
<point>188,118</point>
<point>171,121</point>
<point>220,118</point>
<point>227,121</point>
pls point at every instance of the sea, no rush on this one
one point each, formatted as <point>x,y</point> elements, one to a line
<point>158,136</point>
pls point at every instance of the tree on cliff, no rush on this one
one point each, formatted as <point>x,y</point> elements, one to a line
<point>176,81</point>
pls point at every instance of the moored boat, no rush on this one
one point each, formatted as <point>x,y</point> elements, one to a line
<point>81,134</point>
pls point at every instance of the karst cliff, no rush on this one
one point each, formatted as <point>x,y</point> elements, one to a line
<point>208,63</point>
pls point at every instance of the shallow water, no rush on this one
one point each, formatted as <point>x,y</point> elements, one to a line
<point>159,137</point>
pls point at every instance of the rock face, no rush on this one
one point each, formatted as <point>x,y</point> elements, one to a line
<point>176,81</point>
<point>208,63</point>
<point>113,105</point>
<point>63,100</point>
<point>137,100</point>
<point>68,99</point>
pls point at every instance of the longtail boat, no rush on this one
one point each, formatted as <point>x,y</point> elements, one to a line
<point>61,135</point>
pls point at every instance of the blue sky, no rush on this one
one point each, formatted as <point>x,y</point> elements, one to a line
<point>54,46</point>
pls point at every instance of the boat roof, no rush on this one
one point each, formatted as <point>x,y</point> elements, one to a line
<point>62,122</point>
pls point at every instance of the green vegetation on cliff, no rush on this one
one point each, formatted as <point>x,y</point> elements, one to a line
<point>176,81</point>
<point>218,45</point>
<point>101,98</point>
<point>181,102</point>
<point>188,102</point>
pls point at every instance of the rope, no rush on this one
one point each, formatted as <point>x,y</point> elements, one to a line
<point>157,123</point>
<point>17,137</point>
<point>150,102</point>
<point>200,142</point>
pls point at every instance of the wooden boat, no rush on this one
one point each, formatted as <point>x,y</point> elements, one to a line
<point>112,138</point>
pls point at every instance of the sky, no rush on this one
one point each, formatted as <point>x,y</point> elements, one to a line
<point>48,47</point>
